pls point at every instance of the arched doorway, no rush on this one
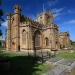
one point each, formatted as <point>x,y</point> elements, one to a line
<point>56,43</point>
<point>37,40</point>
<point>13,45</point>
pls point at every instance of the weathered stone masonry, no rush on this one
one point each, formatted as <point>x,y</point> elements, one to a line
<point>25,34</point>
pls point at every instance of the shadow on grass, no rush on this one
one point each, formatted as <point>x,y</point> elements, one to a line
<point>18,65</point>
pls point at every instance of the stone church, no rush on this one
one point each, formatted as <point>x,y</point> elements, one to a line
<point>24,34</point>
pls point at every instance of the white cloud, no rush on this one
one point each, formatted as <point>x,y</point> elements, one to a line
<point>71,11</point>
<point>33,17</point>
<point>57,12</point>
<point>52,2</point>
<point>56,15</point>
<point>4,24</point>
<point>70,22</point>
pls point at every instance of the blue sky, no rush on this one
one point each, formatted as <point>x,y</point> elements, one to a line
<point>64,12</point>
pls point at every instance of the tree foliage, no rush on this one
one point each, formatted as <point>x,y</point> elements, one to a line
<point>0,43</point>
<point>1,19</point>
<point>0,2</point>
<point>72,42</point>
<point>1,14</point>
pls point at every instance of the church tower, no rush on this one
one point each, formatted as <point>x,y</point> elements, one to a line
<point>45,18</point>
<point>8,36</point>
<point>15,28</point>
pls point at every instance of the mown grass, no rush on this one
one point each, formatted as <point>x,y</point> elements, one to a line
<point>17,64</point>
<point>42,69</point>
<point>66,55</point>
<point>0,46</point>
<point>20,64</point>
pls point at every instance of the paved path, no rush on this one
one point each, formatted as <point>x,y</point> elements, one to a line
<point>62,66</point>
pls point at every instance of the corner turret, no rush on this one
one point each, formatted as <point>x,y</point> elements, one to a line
<point>17,9</point>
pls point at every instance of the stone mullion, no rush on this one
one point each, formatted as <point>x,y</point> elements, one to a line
<point>27,41</point>
<point>41,41</point>
<point>30,40</point>
<point>33,40</point>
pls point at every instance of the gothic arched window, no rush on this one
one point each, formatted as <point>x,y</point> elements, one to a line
<point>37,38</point>
<point>23,37</point>
<point>46,41</point>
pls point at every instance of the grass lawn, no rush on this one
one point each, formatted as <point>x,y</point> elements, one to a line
<point>42,69</point>
<point>0,46</point>
<point>21,65</point>
<point>66,55</point>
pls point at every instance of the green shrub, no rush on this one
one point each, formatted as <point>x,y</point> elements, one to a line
<point>0,44</point>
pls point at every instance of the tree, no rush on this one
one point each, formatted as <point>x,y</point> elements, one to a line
<point>1,19</point>
<point>1,14</point>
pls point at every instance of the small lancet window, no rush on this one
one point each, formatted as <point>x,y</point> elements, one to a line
<point>23,36</point>
<point>47,41</point>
